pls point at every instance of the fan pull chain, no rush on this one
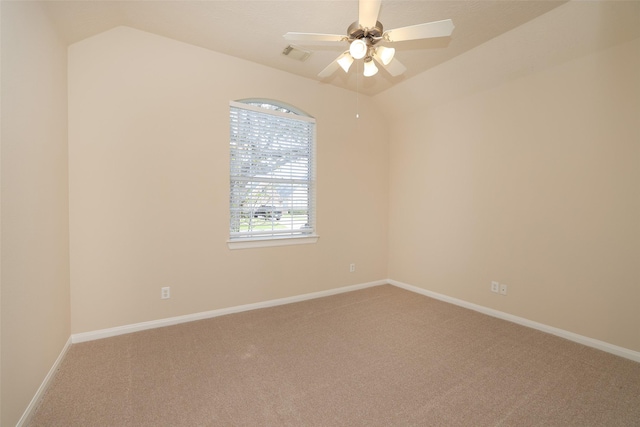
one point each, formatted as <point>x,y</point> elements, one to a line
<point>358,90</point>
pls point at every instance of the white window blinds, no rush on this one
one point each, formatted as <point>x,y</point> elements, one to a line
<point>271,173</point>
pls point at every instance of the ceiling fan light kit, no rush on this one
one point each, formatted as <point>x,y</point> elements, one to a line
<point>345,61</point>
<point>366,32</point>
<point>386,54</point>
<point>370,68</point>
<point>358,49</point>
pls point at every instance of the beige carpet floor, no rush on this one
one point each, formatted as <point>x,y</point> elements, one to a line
<point>380,356</point>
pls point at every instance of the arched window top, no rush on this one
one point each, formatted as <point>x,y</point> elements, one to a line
<point>271,104</point>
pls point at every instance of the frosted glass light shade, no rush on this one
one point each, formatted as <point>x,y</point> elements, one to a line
<point>358,49</point>
<point>370,68</point>
<point>385,54</point>
<point>345,61</point>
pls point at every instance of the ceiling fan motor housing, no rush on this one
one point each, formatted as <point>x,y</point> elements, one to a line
<point>370,35</point>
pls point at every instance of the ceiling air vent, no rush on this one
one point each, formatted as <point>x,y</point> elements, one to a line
<point>295,52</point>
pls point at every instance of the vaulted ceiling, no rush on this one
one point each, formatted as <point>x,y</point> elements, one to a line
<point>253,29</point>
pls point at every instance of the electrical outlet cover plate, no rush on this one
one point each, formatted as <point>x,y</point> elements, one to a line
<point>495,287</point>
<point>503,289</point>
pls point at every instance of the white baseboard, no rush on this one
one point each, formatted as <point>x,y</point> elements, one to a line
<point>590,342</point>
<point>43,387</point>
<point>110,332</point>
<point>126,329</point>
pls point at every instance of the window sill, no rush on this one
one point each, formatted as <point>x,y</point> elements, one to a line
<point>263,243</point>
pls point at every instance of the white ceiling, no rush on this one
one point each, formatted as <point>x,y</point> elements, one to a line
<point>253,29</point>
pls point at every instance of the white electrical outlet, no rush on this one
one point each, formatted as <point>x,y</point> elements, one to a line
<point>165,293</point>
<point>352,268</point>
<point>503,289</point>
<point>495,287</point>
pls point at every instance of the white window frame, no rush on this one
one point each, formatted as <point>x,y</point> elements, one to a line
<point>250,239</point>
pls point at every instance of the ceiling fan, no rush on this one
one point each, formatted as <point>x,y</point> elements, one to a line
<point>366,36</point>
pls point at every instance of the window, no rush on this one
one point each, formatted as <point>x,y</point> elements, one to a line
<point>271,175</point>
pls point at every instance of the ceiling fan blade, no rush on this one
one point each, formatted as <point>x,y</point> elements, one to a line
<point>395,67</point>
<point>427,30</point>
<point>368,13</point>
<point>314,37</point>
<point>331,68</point>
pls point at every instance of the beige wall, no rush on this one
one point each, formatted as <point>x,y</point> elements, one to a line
<point>533,180</point>
<point>517,162</point>
<point>35,308</point>
<point>149,186</point>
